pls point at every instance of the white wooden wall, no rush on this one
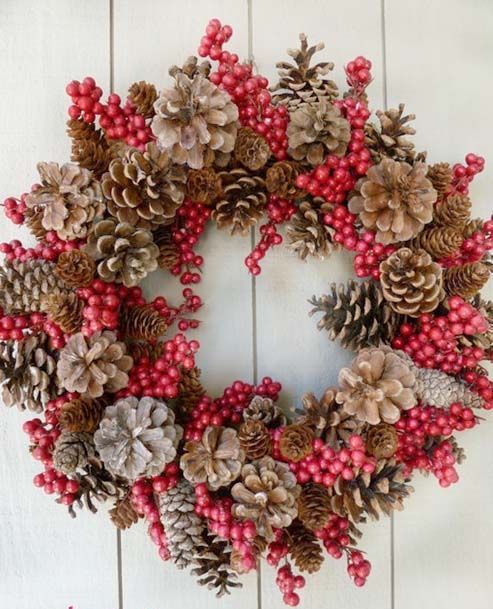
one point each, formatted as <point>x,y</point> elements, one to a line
<point>437,56</point>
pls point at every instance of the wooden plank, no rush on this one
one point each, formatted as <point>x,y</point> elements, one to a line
<point>46,559</point>
<point>167,33</point>
<point>437,58</point>
<point>289,347</point>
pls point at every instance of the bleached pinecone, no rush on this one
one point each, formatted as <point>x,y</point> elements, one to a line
<point>390,138</point>
<point>184,529</point>
<point>213,568</point>
<point>265,410</point>
<point>307,234</point>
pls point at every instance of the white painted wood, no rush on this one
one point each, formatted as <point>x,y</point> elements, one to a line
<point>437,57</point>
<point>46,559</point>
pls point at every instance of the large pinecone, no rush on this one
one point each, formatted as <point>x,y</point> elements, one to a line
<point>316,130</point>
<point>265,410</point>
<point>395,199</point>
<point>314,506</point>
<point>389,139</point>
<point>69,197</point>
<point>304,548</point>
<point>124,254</point>
<point>72,452</point>
<point>27,373</point>
<point>307,234</point>
<point>213,568</point>
<point>195,122</point>
<point>251,149</point>
<point>356,314</point>
<point>184,529</point>
<point>301,83</point>
<point>144,189</point>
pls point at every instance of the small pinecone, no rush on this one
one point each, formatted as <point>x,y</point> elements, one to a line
<point>439,242</point>
<point>251,149</point>
<point>138,349</point>
<point>453,211</point>
<point>65,310</point>
<point>24,285</point>
<point>213,567</point>
<point>190,390</point>
<point>440,175</point>
<point>243,201</point>
<point>296,442</point>
<point>356,314</point>
<point>123,515</point>
<point>89,146</point>
<point>75,268</point>
<point>307,234</point>
<point>169,255</point>
<point>191,67</point>
<point>473,226</point>
<point>304,548</point>
<point>466,280</point>
<point>142,323</point>
<point>184,529</point>
<point>204,185</point>
<point>142,96</point>
<point>280,179</point>
<point>34,222</point>
<point>265,410</point>
<point>390,139</point>
<point>81,415</point>
<point>255,439</point>
<point>314,506</point>
<point>382,441</point>
<point>72,451</point>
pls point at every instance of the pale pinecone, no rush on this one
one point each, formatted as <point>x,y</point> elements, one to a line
<point>265,410</point>
<point>212,567</point>
<point>389,139</point>
<point>307,234</point>
<point>191,68</point>
<point>72,452</point>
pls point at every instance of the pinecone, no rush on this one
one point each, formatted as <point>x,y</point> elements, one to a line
<point>204,185</point>
<point>382,441</point>
<point>307,234</point>
<point>267,495</point>
<point>69,197</point>
<point>314,506</point>
<point>191,390</point>
<point>440,175</point>
<point>65,310</point>
<point>251,149</point>
<point>466,280</point>
<point>75,268</point>
<point>454,212</point>
<point>395,199</point>
<point>195,122</point>
<point>213,567</point>
<point>315,130</point>
<point>254,439</point>
<point>264,409</point>
<point>304,548</point>
<point>439,241</point>
<point>27,373</point>
<point>142,96</point>
<point>411,282</point>
<point>81,415</point>
<point>301,84</point>
<point>184,529</point>
<point>243,201</point>
<point>472,227</point>
<point>34,222</point>
<point>72,452</point>
<point>137,437</point>
<point>377,387</point>
<point>319,414</point>
<point>24,285</point>
<point>389,139</point>
<point>142,323</point>
<point>216,459</point>
<point>356,314</point>
<point>296,442</point>
<point>123,515</point>
<point>124,254</point>
<point>280,179</point>
<point>169,255</point>
<point>144,189</point>
<point>191,68</point>
<point>90,149</point>
<point>94,364</point>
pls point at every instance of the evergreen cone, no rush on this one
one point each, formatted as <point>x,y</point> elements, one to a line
<point>81,415</point>
<point>439,242</point>
<point>251,149</point>
<point>72,451</point>
<point>314,506</point>
<point>304,548</point>
<point>466,280</point>
<point>296,442</point>
<point>440,175</point>
<point>390,140</point>
<point>473,226</point>
<point>356,314</point>
<point>382,441</point>
<point>65,310</point>
<point>142,323</point>
<point>204,185</point>
<point>453,211</point>
<point>265,410</point>
<point>169,255</point>
<point>89,146</point>
<point>34,222</point>
<point>123,515</point>
<point>75,268</point>
<point>191,68</point>
<point>255,439</point>
<point>307,234</point>
<point>280,179</point>
<point>142,96</point>
<point>214,568</point>
<point>190,390</point>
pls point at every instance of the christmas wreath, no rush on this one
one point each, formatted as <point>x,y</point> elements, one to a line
<point>121,411</point>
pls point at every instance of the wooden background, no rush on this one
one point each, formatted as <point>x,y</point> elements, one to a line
<point>436,55</point>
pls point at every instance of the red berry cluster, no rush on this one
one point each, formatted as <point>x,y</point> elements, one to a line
<point>335,536</point>
<point>49,249</point>
<point>277,549</point>
<point>442,464</point>
<point>481,384</point>
<point>358,75</point>
<point>463,175</point>
<point>287,583</point>
<point>358,567</point>
<point>15,209</point>
<point>191,304</point>
<point>12,326</point>
<point>473,248</point>
<point>423,421</point>
<point>102,303</point>
<point>144,503</point>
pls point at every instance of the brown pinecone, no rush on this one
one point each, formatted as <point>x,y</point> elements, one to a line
<point>214,566</point>
<point>389,139</point>
<point>123,515</point>
<point>204,185</point>
<point>255,439</point>
<point>280,179</point>
<point>411,282</point>
<point>356,314</point>
<point>307,234</point>
<point>440,175</point>
<point>168,252</point>
<point>142,96</point>
<point>65,310</point>
<point>304,548</point>
<point>466,280</point>
<point>265,410</point>
<point>301,83</point>
<point>72,451</point>
<point>81,415</point>
<point>142,323</point>
<point>439,241</point>
<point>75,268</point>
<point>319,414</point>
<point>251,149</point>
<point>473,226</point>
<point>34,222</point>
<point>190,390</point>
<point>242,203</point>
<point>314,506</point>
<point>191,68</point>
<point>296,442</point>
<point>89,146</point>
<point>382,441</point>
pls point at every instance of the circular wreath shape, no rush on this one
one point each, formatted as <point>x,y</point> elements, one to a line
<point>122,414</point>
